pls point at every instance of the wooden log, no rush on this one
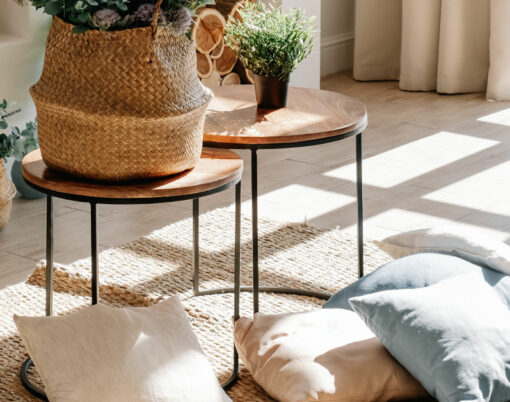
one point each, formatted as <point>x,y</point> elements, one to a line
<point>226,62</point>
<point>204,65</point>
<point>243,73</point>
<point>234,12</point>
<point>231,79</point>
<point>225,6</point>
<point>208,30</point>
<point>218,50</point>
<point>213,81</point>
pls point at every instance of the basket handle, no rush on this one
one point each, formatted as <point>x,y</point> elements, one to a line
<point>155,16</point>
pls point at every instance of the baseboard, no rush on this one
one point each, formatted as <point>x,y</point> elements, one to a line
<point>337,53</point>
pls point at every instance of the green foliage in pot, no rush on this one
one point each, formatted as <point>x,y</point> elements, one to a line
<point>18,142</point>
<point>121,14</point>
<point>268,41</point>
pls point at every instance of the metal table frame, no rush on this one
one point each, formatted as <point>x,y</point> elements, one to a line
<point>94,201</point>
<point>256,288</point>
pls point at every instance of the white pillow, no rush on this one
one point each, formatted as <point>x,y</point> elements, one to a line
<point>479,249</point>
<point>321,355</point>
<point>137,354</point>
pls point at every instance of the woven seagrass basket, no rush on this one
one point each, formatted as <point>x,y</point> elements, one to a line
<point>7,193</point>
<point>120,105</point>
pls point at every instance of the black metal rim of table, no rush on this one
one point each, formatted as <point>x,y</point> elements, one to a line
<point>94,201</point>
<point>256,288</point>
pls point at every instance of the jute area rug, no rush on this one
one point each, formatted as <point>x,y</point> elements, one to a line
<point>159,265</point>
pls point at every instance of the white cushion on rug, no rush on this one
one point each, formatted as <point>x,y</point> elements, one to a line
<point>479,249</point>
<point>322,355</point>
<point>111,354</point>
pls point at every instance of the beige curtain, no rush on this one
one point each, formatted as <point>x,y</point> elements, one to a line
<point>443,45</point>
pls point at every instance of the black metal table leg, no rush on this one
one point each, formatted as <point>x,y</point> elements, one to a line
<point>237,284</point>
<point>196,249</point>
<point>255,228</point>
<point>359,196</point>
<point>94,254</point>
<point>237,273</point>
<point>49,297</point>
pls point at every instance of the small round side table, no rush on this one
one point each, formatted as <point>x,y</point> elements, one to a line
<point>312,117</point>
<point>216,171</point>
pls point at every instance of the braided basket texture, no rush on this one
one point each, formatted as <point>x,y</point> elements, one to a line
<point>119,105</point>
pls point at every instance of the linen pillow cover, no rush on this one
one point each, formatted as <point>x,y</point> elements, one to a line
<point>322,355</point>
<point>452,336</point>
<point>138,354</point>
<point>416,271</point>
<point>479,249</point>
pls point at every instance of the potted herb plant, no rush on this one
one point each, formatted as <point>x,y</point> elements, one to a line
<point>7,189</point>
<point>17,143</point>
<point>23,141</point>
<point>119,97</point>
<point>270,43</point>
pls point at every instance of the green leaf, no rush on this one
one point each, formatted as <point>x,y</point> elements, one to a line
<point>3,124</point>
<point>78,29</point>
<point>93,2</point>
<point>52,7</point>
<point>122,6</point>
<point>84,17</point>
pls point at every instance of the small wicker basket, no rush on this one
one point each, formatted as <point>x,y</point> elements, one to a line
<point>7,193</point>
<point>119,105</point>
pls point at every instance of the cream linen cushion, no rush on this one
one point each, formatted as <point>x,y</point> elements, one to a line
<point>129,354</point>
<point>475,247</point>
<point>322,355</point>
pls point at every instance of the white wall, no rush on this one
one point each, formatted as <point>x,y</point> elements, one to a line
<point>22,38</point>
<point>337,35</point>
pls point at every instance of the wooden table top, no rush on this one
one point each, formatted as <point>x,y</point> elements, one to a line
<point>216,169</point>
<point>233,117</point>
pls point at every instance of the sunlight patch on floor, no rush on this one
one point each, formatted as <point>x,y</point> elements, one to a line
<point>401,220</point>
<point>481,191</point>
<point>416,158</point>
<point>298,203</point>
<point>501,118</point>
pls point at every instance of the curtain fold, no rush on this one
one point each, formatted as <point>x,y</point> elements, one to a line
<point>442,45</point>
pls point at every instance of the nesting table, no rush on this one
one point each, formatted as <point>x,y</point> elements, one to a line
<point>216,171</point>
<point>312,117</point>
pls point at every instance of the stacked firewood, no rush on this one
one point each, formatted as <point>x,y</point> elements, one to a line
<point>217,63</point>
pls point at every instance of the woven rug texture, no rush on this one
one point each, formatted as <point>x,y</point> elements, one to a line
<point>159,265</point>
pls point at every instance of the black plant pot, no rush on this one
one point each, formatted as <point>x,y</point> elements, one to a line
<point>271,92</point>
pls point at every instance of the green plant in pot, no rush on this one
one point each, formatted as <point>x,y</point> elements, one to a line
<point>270,43</point>
<point>23,141</point>
<point>17,143</point>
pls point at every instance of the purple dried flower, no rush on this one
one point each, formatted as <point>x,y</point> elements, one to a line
<point>180,21</point>
<point>144,13</point>
<point>105,19</point>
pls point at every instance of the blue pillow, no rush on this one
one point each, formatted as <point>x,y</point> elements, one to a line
<point>453,337</point>
<point>417,271</point>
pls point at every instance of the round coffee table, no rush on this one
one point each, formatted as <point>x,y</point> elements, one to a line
<point>217,170</point>
<point>312,117</point>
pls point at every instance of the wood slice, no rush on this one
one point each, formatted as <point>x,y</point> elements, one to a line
<point>204,65</point>
<point>226,62</point>
<point>213,81</point>
<point>225,6</point>
<point>245,74</point>
<point>218,50</point>
<point>231,79</point>
<point>208,30</point>
<point>234,13</point>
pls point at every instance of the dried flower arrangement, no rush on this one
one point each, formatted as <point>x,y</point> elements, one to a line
<point>121,14</point>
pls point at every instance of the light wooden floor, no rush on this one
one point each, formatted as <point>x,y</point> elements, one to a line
<point>429,159</point>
